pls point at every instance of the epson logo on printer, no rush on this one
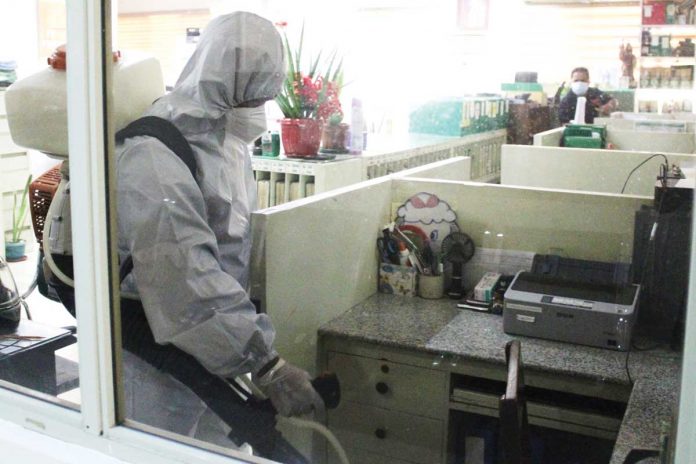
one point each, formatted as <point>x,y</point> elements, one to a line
<point>565,315</point>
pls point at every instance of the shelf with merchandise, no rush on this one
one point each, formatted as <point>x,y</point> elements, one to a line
<point>668,60</point>
<point>667,13</point>
<point>665,92</point>
<point>677,29</point>
<point>666,65</point>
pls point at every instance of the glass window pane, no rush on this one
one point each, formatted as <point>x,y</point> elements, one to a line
<point>38,352</point>
<point>216,285</point>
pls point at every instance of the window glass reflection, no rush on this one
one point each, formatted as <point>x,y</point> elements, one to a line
<point>408,289</point>
<point>38,345</point>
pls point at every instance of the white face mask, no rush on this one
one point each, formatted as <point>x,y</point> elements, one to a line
<point>579,87</point>
<point>247,124</point>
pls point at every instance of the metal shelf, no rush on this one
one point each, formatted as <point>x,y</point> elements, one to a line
<point>683,28</point>
<point>682,97</point>
<point>671,60</point>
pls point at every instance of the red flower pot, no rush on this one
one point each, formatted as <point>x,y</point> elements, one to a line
<point>301,137</point>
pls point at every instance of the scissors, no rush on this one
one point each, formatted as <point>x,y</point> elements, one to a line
<point>388,250</point>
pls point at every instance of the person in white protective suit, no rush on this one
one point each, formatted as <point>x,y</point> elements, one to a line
<point>189,238</point>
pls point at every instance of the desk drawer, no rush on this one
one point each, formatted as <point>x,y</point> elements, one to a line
<point>390,433</point>
<point>389,385</point>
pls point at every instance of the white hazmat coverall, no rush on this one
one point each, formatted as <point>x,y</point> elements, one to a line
<point>190,238</point>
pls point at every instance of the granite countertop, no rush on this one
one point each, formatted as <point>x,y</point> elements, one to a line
<point>438,327</point>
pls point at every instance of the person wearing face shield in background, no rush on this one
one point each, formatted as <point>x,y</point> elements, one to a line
<point>185,301</point>
<point>598,103</point>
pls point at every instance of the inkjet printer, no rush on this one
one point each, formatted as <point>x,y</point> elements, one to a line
<point>576,301</point>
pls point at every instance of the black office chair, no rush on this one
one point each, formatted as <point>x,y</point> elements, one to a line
<point>514,427</point>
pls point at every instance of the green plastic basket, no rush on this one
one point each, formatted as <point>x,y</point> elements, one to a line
<point>584,136</point>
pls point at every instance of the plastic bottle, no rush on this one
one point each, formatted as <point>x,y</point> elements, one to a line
<point>357,125</point>
<point>404,255</point>
<point>267,144</point>
<point>580,111</point>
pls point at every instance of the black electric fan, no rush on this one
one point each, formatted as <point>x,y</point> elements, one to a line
<point>457,249</point>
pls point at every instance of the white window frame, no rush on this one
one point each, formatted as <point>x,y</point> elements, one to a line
<point>94,427</point>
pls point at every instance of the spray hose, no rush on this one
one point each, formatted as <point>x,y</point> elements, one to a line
<point>321,429</point>
<point>47,240</point>
<point>331,398</point>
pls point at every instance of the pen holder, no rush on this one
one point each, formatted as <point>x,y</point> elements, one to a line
<point>397,280</point>
<point>431,287</point>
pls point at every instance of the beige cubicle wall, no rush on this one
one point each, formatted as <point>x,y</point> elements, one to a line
<point>654,125</point>
<point>653,116</point>
<point>583,225</point>
<point>584,169</point>
<point>633,140</point>
<point>315,258</point>
<point>458,168</point>
<point>549,138</point>
<point>652,141</point>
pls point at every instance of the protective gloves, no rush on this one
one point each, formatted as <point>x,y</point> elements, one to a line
<point>289,389</point>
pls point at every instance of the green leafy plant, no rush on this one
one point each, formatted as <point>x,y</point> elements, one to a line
<point>311,95</point>
<point>19,212</point>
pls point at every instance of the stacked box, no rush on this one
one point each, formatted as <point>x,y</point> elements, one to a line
<point>440,117</point>
<point>484,289</point>
<point>483,114</point>
<point>460,116</point>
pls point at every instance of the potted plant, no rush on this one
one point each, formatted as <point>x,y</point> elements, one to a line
<point>15,247</point>
<point>305,100</point>
<point>333,138</point>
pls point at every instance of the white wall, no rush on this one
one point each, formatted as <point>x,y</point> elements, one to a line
<point>19,35</point>
<point>399,54</point>
<point>149,6</point>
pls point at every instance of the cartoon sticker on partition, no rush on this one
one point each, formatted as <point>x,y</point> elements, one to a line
<point>434,217</point>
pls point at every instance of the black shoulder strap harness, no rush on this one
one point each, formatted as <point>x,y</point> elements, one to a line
<point>171,137</point>
<point>165,132</point>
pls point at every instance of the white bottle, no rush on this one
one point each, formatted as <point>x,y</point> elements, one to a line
<point>404,255</point>
<point>580,111</point>
<point>357,126</point>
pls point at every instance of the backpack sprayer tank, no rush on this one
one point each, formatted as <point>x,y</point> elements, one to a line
<point>37,116</point>
<point>37,111</point>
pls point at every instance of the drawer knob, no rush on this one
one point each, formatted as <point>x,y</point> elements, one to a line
<point>381,434</point>
<point>382,388</point>
<point>385,368</point>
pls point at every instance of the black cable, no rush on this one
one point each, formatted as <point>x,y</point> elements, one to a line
<point>651,241</point>
<point>642,163</point>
